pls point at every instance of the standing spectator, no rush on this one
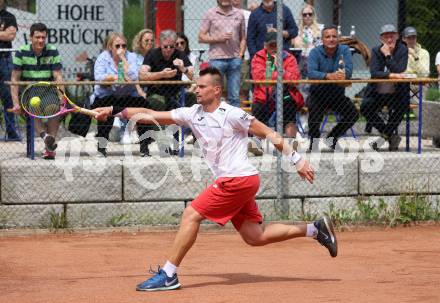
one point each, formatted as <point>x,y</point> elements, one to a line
<point>244,92</point>
<point>106,69</point>
<point>165,63</point>
<point>388,61</point>
<point>28,66</point>
<point>223,28</point>
<point>330,61</point>
<point>8,31</point>
<point>309,35</point>
<point>264,96</point>
<point>418,57</point>
<point>264,19</point>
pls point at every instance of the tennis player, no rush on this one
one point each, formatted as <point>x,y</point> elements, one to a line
<point>222,132</point>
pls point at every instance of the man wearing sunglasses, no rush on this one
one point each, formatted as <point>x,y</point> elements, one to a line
<point>263,20</point>
<point>165,63</point>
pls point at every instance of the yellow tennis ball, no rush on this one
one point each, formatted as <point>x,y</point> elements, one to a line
<point>35,101</point>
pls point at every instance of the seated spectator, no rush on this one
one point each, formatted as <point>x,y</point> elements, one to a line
<point>264,104</point>
<point>388,61</point>
<point>142,43</point>
<point>330,61</point>
<point>35,62</point>
<point>106,69</point>
<point>309,35</point>
<point>165,63</point>
<point>418,57</point>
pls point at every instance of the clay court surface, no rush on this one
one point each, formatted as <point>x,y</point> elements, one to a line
<point>380,265</point>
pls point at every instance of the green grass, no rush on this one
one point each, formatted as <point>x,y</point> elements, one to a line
<point>409,209</point>
<point>432,94</point>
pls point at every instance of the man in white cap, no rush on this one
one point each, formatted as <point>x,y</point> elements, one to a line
<point>388,61</point>
<point>418,57</point>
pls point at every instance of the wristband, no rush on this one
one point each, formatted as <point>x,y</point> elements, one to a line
<point>294,158</point>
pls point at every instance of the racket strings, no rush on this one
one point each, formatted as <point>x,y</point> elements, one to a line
<point>49,103</point>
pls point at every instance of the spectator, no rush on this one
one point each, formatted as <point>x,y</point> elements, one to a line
<point>8,31</point>
<point>388,61</point>
<point>264,96</point>
<point>264,19</point>
<point>142,43</point>
<point>244,92</point>
<point>223,28</point>
<point>182,44</point>
<point>418,57</point>
<point>252,5</point>
<point>106,69</point>
<point>28,66</point>
<point>165,63</point>
<point>330,61</point>
<point>309,35</point>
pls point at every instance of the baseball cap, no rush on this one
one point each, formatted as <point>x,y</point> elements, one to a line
<point>409,31</point>
<point>388,28</point>
<point>270,37</point>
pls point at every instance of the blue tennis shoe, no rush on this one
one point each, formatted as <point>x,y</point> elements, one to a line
<point>159,281</point>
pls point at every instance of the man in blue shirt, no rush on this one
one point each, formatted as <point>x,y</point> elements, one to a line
<point>263,20</point>
<point>330,61</point>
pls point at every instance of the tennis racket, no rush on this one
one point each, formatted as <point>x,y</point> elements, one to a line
<point>47,100</point>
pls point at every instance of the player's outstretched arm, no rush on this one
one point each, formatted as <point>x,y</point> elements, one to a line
<point>302,165</point>
<point>139,114</point>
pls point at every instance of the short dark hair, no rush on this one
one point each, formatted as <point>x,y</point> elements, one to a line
<point>215,73</point>
<point>38,27</point>
<point>329,26</point>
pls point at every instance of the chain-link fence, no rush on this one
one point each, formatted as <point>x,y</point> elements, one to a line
<point>118,173</point>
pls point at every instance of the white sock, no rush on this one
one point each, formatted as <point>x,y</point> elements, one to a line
<point>311,230</point>
<point>169,268</point>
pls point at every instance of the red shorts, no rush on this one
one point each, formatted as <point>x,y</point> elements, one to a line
<point>230,198</point>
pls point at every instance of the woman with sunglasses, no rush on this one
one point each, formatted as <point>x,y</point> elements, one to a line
<point>309,35</point>
<point>106,69</point>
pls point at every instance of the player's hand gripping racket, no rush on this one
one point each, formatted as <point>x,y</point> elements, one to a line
<point>46,100</point>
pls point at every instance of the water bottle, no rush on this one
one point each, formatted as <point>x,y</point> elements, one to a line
<point>306,39</point>
<point>268,69</point>
<point>352,32</point>
<point>339,31</point>
<point>120,71</point>
<point>341,63</point>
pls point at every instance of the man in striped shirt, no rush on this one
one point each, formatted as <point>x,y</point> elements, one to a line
<point>38,61</point>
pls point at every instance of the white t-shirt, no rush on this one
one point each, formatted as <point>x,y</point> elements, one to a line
<point>437,59</point>
<point>222,135</point>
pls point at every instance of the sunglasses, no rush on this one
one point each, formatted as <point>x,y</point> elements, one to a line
<point>149,40</point>
<point>168,46</point>
<point>307,14</point>
<point>273,44</point>
<point>180,43</point>
<point>118,46</point>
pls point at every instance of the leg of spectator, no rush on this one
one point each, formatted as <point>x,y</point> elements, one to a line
<point>233,75</point>
<point>370,108</point>
<point>349,115</point>
<point>397,107</point>
<point>316,113</point>
<point>5,96</point>
<point>53,124</point>
<point>289,118</point>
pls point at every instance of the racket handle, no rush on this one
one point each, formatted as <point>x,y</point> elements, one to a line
<point>88,112</point>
